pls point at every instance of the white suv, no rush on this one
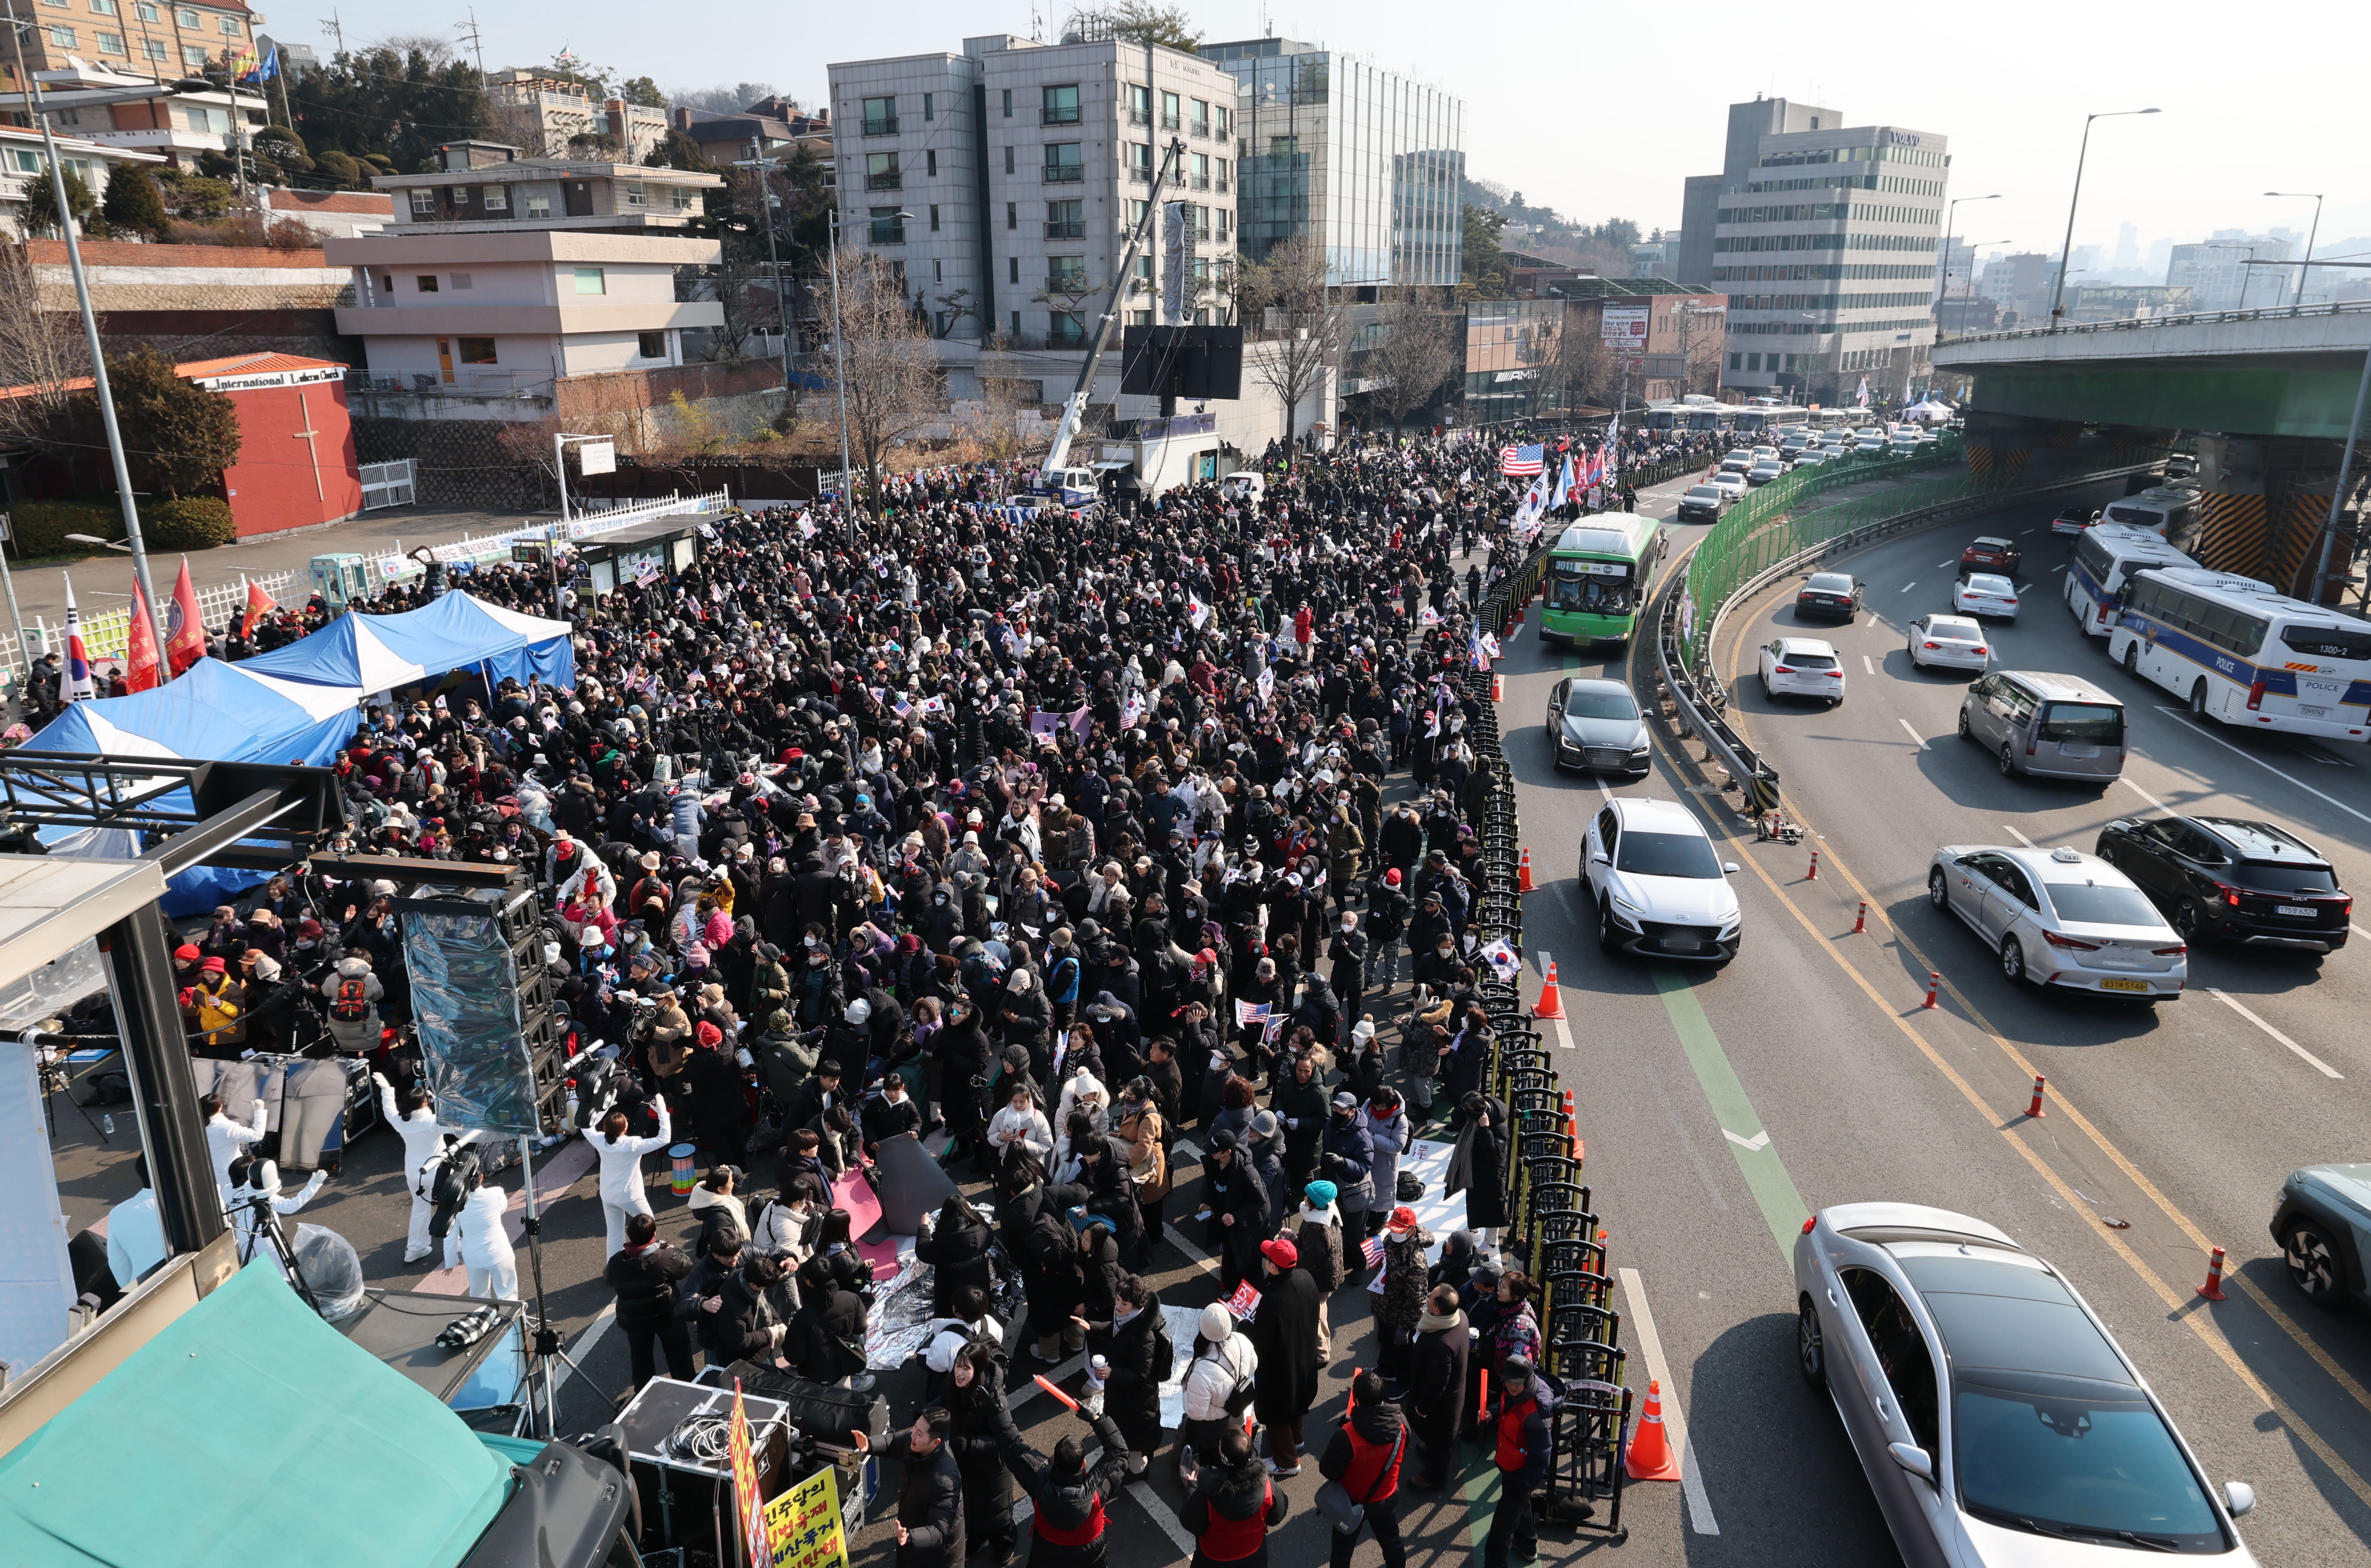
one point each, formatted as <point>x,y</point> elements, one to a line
<point>1648,866</point>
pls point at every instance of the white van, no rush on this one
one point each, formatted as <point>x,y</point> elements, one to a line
<point>1243,485</point>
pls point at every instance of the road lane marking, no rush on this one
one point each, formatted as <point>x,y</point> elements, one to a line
<point>2021,838</point>
<point>1782,1206</point>
<point>2144,794</point>
<point>1941,564</point>
<point>1909,585</point>
<point>1866,666</point>
<point>2183,716</point>
<point>2233,1003</point>
<point>1675,1422</point>
<point>1915,738</point>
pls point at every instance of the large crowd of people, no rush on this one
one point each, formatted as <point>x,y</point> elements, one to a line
<point>1084,849</point>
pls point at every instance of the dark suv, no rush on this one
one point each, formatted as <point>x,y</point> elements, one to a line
<point>2247,881</point>
<point>1702,504</point>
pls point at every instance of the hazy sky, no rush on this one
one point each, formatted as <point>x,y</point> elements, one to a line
<point>1601,113</point>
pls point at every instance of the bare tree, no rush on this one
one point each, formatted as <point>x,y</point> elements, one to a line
<point>892,372</point>
<point>1299,321</point>
<point>1007,398</point>
<point>1417,348</point>
<point>1587,371</point>
<point>41,349</point>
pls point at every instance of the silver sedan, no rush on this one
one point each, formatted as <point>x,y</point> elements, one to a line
<point>1996,1418</point>
<point>2063,919</point>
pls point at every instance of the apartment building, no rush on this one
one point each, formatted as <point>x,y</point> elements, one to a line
<point>156,38</point>
<point>177,128</point>
<point>499,276</point>
<point>1368,161</point>
<point>546,113</point>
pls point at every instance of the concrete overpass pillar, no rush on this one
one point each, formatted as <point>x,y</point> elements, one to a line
<point>1998,444</point>
<point>2137,444</point>
<point>2262,504</point>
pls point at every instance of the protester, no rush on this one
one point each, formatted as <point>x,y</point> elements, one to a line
<point>1232,1504</point>
<point>1435,1385</point>
<point>644,1273</point>
<point>1285,1332</point>
<point>1521,1451</point>
<point>929,1492</point>
<point>1363,1457</point>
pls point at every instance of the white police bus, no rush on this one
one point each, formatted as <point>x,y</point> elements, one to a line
<point>2171,512</point>
<point>2106,556</point>
<point>2241,651</point>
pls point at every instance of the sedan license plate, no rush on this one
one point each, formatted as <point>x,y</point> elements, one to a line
<point>2294,909</point>
<point>2123,985</point>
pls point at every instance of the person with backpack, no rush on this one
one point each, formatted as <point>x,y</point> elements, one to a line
<point>353,994</point>
<point>969,1323</point>
<point>1137,1356</point>
<point>646,1275</point>
<point>1521,1450</point>
<point>1363,1459</point>
<point>1220,1383</point>
<point>1230,1506</point>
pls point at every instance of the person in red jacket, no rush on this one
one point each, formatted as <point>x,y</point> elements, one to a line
<point>1522,1456</point>
<point>1364,1457</point>
<point>1232,1507</point>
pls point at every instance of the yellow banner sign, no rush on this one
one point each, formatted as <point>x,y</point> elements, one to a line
<point>803,1526</point>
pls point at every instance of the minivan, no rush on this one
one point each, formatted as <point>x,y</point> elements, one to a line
<point>2050,726</point>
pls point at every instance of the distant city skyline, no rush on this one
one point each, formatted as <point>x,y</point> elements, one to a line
<point>1628,119</point>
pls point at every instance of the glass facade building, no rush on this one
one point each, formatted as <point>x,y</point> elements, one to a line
<point>1371,162</point>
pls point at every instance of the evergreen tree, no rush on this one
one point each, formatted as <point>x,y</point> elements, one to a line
<point>132,205</point>
<point>184,435</point>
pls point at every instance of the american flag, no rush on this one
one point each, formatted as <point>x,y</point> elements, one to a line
<point>1374,1250</point>
<point>1522,462</point>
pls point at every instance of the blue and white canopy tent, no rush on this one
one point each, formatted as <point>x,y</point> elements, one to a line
<point>376,653</point>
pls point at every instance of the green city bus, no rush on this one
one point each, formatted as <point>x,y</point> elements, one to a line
<point>1599,571</point>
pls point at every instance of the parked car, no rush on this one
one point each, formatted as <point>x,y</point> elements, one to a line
<point>1828,594</point>
<point>2323,1213</point>
<point>1996,1418</point>
<point>2060,919</point>
<point>1985,594</point>
<point>1649,867</point>
<point>2050,726</point>
<point>1802,666</point>
<point>1950,642</point>
<point>2228,877</point>
<point>1703,503</point>
<point>1595,724</point>
<point>1989,552</point>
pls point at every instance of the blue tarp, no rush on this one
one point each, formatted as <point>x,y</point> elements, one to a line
<point>455,632</point>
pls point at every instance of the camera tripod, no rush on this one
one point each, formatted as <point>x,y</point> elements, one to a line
<point>542,1339</point>
<point>267,1226</point>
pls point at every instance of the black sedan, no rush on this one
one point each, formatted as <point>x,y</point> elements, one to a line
<point>1702,503</point>
<point>1595,725</point>
<point>1829,595</point>
<point>2246,881</point>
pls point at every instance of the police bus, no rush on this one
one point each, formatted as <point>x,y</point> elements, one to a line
<point>2243,653</point>
<point>1598,574</point>
<point>2171,512</point>
<point>2106,556</point>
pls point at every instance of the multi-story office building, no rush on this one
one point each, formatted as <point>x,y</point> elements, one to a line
<point>1003,181</point>
<point>2218,277</point>
<point>1371,162</point>
<point>1826,241</point>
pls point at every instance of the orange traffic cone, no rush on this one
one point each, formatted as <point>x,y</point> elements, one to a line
<point>1651,1457</point>
<point>1551,1002</point>
<point>1523,874</point>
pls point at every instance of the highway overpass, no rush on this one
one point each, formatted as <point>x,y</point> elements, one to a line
<point>2268,392</point>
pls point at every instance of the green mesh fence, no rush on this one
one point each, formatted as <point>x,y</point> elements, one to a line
<point>1801,509</point>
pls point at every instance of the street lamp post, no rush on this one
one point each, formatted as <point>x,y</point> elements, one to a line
<point>2311,235</point>
<point>1950,224</point>
<point>2067,251</point>
<point>757,160</point>
<point>129,506</point>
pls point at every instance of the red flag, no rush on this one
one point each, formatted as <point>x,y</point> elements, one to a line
<point>185,635</point>
<point>140,663</point>
<point>259,604</point>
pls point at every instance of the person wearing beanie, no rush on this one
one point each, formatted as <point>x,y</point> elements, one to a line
<point>220,1004</point>
<point>1317,1237</point>
<point>1285,1332</point>
<point>1220,1383</point>
<point>720,1108</point>
<point>1346,1158</point>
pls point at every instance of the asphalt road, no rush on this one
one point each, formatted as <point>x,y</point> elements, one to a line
<point>1720,1108</point>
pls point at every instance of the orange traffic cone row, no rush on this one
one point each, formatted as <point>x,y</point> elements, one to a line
<point>1523,874</point>
<point>1651,1457</point>
<point>1551,1002</point>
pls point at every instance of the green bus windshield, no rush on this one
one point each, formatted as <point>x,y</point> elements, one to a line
<point>1592,587</point>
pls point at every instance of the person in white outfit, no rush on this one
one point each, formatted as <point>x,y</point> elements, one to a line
<point>621,1170</point>
<point>476,1238</point>
<point>255,1186</point>
<point>135,1232</point>
<point>226,1138</point>
<point>1020,1125</point>
<point>1225,1365</point>
<point>415,1123</point>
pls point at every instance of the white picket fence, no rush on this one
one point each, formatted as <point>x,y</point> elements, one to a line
<point>106,633</point>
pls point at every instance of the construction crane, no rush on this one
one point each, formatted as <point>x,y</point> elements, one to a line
<point>1058,483</point>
